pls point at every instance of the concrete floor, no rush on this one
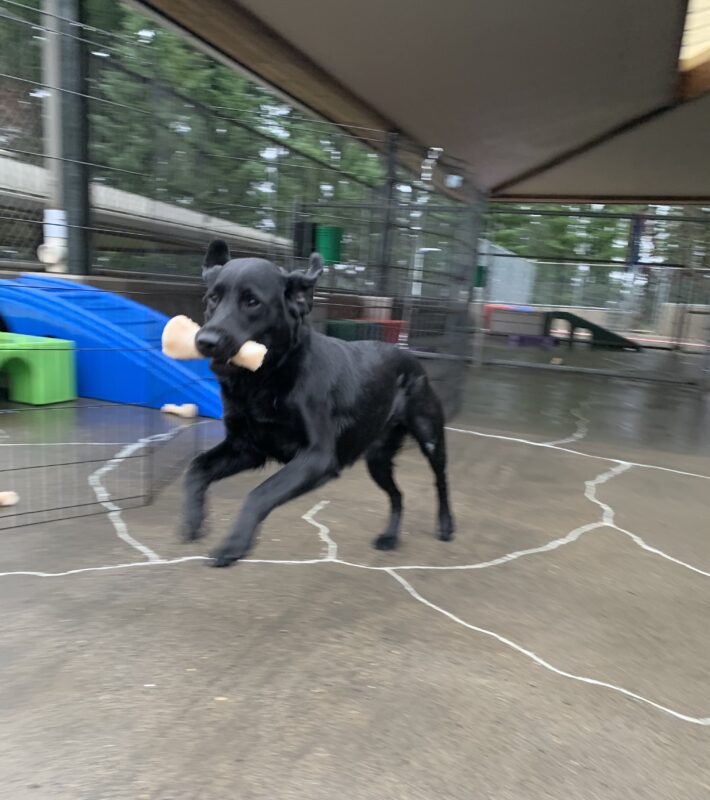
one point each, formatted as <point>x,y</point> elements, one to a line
<point>688,366</point>
<point>560,651</point>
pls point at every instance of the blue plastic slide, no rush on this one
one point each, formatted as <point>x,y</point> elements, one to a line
<point>117,340</point>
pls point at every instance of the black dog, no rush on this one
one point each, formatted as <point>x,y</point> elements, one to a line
<point>316,405</point>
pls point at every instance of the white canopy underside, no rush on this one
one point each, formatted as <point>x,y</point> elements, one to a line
<point>551,99</point>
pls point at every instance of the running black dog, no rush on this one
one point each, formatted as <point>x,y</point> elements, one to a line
<point>316,405</point>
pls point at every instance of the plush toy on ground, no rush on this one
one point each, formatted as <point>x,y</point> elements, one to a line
<point>187,410</point>
<point>9,498</point>
<point>179,343</point>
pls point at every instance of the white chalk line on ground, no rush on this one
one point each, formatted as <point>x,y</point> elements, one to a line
<point>331,557</point>
<point>324,534</point>
<point>61,444</point>
<point>549,446</point>
<point>541,661</point>
<point>323,530</point>
<point>607,520</point>
<point>332,549</point>
<point>161,562</point>
<point>104,497</point>
<point>582,428</point>
<point>655,551</point>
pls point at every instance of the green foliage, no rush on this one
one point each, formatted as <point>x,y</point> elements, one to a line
<point>580,258</point>
<point>20,53</point>
<point>172,123</point>
<point>169,122</point>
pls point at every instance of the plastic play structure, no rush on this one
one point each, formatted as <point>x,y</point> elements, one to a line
<point>40,371</point>
<point>600,336</point>
<point>117,343</point>
<point>528,325</point>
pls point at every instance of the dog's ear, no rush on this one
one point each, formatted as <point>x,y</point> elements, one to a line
<point>300,285</point>
<point>217,256</point>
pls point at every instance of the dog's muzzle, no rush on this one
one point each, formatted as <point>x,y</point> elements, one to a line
<point>207,342</point>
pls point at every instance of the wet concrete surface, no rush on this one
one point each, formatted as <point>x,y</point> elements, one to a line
<point>49,454</point>
<point>549,657</point>
<point>650,363</point>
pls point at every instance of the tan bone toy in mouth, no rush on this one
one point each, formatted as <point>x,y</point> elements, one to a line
<point>179,343</point>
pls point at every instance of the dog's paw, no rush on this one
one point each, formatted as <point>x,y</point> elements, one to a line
<point>222,557</point>
<point>446,530</point>
<point>190,532</point>
<point>386,541</point>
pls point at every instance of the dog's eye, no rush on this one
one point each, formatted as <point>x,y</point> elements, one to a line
<point>249,300</point>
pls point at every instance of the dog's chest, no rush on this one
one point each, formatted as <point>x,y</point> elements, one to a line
<point>267,423</point>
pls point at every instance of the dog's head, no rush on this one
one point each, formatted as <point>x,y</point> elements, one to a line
<point>253,299</point>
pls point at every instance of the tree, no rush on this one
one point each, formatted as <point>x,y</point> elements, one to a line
<point>197,133</point>
<point>169,122</point>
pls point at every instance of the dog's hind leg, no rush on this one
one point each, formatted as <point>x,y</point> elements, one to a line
<point>379,459</point>
<point>425,422</point>
<point>225,459</point>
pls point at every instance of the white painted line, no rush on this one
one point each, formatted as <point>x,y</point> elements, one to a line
<point>669,469</point>
<point>655,551</point>
<point>531,443</point>
<point>161,562</point>
<point>104,498</point>
<point>332,547</point>
<point>582,426</point>
<point>285,561</point>
<point>576,452</point>
<point>332,552</point>
<point>323,530</point>
<point>60,444</point>
<point>541,661</point>
<point>590,492</point>
<point>107,568</point>
<point>572,536</point>
<point>607,520</point>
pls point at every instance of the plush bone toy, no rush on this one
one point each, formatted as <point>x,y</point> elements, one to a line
<point>9,498</point>
<point>187,410</point>
<point>179,343</point>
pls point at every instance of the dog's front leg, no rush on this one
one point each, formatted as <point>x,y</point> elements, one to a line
<point>225,459</point>
<point>307,471</point>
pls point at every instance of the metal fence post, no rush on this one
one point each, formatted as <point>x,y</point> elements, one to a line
<point>66,124</point>
<point>386,241</point>
<point>478,293</point>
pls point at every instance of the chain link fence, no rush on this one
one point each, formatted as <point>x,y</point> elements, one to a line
<point>633,279</point>
<point>154,147</point>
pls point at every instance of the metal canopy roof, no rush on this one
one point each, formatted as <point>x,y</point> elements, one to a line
<point>552,99</point>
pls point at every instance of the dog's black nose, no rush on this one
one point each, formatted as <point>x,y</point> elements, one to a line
<point>207,341</point>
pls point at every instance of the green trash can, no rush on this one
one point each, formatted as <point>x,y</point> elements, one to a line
<point>328,241</point>
<point>479,277</point>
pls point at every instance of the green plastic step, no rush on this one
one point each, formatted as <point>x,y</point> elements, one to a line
<point>40,370</point>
